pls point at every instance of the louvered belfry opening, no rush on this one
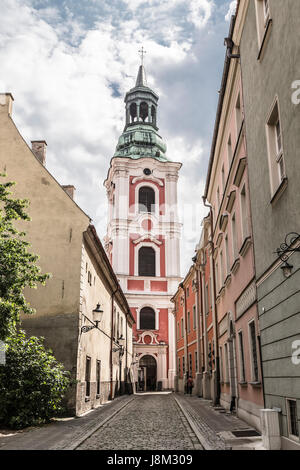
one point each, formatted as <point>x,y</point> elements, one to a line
<point>147,319</point>
<point>146,261</point>
<point>146,199</point>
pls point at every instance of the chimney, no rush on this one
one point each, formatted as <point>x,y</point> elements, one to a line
<point>69,189</point>
<point>6,102</point>
<point>39,150</point>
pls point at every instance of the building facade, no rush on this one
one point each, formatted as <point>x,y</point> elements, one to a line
<point>207,321</point>
<point>187,332</point>
<point>143,235</point>
<point>82,277</point>
<point>272,121</point>
<point>227,191</point>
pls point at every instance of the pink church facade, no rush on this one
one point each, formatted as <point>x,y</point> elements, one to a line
<point>143,236</point>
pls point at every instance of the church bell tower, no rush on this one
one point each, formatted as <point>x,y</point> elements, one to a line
<point>143,235</point>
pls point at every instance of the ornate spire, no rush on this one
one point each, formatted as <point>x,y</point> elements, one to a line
<point>141,79</point>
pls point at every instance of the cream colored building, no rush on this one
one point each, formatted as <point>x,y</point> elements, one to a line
<point>82,277</point>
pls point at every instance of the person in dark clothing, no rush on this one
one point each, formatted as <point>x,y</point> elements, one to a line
<point>190,385</point>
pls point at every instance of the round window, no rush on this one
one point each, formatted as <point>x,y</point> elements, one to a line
<point>147,171</point>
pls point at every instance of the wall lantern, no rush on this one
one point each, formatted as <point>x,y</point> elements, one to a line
<point>287,247</point>
<point>97,316</point>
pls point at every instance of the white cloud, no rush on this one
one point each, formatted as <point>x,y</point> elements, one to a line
<point>62,76</point>
<point>231,10</point>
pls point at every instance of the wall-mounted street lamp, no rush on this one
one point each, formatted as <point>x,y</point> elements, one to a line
<point>97,316</point>
<point>288,247</point>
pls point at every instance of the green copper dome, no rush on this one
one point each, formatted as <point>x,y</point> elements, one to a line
<point>140,137</point>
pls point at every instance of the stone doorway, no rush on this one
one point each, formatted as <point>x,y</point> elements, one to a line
<point>149,376</point>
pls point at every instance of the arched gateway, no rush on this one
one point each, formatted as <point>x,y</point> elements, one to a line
<point>147,373</point>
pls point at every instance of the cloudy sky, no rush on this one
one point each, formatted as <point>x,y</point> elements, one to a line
<point>68,64</point>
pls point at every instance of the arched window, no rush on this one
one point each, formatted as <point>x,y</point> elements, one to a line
<point>144,111</point>
<point>146,199</point>
<point>146,261</point>
<point>147,319</point>
<point>153,115</point>
<point>133,111</point>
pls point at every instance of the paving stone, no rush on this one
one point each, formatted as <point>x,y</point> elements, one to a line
<point>150,422</point>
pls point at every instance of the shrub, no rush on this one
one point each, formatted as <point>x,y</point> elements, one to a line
<point>32,383</point>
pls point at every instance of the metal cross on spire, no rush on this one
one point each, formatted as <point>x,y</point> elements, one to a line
<point>142,52</point>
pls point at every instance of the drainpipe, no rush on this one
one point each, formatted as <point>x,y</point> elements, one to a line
<point>111,342</point>
<point>218,394</point>
<point>201,314</point>
<point>186,338</point>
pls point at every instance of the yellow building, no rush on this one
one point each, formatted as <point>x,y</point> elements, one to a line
<point>82,277</point>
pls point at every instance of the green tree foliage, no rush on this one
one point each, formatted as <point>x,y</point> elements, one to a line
<point>17,265</point>
<point>32,383</point>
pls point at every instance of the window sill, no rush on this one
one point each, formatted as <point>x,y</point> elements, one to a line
<point>243,384</point>
<point>235,266</point>
<point>245,246</point>
<point>279,191</point>
<point>264,40</point>
<point>227,280</point>
<point>255,384</point>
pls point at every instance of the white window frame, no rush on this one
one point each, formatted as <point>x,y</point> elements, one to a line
<point>157,258</point>
<point>242,356</point>
<point>244,212</point>
<point>288,416</point>
<point>136,198</point>
<point>263,15</point>
<point>275,153</point>
<point>253,378</point>
<point>138,311</point>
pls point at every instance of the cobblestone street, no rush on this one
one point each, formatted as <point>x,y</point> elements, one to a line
<point>150,422</point>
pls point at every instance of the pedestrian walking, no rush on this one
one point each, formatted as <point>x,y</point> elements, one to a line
<point>190,385</point>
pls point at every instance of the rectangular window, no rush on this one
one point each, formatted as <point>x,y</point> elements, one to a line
<point>223,179</point>
<point>206,300</point>
<point>182,334</point>
<point>98,375</point>
<point>188,322</point>
<point>217,278</point>
<point>262,18</point>
<point>238,114</point>
<point>226,362</point>
<point>221,364</point>
<point>244,213</point>
<point>221,269</point>
<point>190,364</point>
<point>178,330</point>
<point>242,357</point>
<point>275,148</point>
<point>179,370</point>
<point>196,361</point>
<point>229,151</point>
<point>183,365</point>
<point>234,237</point>
<point>227,255</point>
<point>292,418</point>
<point>87,376</point>
<point>187,292</point>
<point>194,317</point>
<point>252,334</point>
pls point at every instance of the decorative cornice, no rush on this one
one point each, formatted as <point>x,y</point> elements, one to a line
<point>146,237</point>
<point>149,178</point>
